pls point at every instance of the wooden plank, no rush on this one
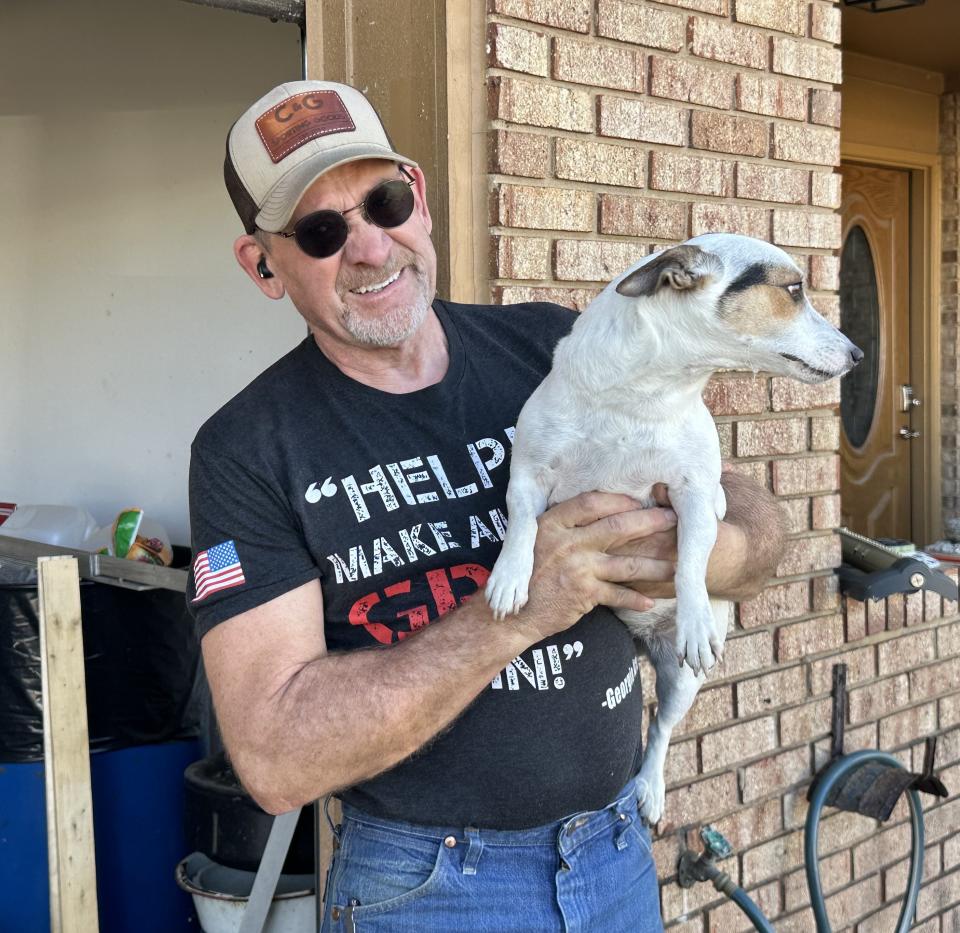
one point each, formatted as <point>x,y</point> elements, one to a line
<point>70,849</point>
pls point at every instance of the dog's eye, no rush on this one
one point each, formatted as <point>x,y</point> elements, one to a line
<point>795,290</point>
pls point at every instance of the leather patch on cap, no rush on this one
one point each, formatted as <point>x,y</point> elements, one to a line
<point>298,119</point>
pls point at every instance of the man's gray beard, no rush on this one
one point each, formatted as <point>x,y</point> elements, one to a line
<point>386,330</point>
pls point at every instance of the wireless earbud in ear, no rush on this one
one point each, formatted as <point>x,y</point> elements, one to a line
<point>262,269</point>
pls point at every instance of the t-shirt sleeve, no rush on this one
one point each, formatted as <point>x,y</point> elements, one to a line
<point>248,547</point>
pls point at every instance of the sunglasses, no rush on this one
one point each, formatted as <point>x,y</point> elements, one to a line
<point>323,233</point>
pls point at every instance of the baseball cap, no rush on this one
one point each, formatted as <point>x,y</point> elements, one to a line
<point>289,138</point>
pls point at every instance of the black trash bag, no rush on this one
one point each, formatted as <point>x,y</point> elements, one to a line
<point>142,663</point>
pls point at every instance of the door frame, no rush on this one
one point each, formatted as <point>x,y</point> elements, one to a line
<point>926,493</point>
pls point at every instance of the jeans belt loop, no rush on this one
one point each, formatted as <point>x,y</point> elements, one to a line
<point>474,850</point>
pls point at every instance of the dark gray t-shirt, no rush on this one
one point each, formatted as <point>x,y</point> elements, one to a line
<point>396,503</point>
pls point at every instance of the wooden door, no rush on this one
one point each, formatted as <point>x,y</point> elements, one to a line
<point>876,411</point>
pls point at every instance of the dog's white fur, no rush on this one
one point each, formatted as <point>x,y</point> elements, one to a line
<point>621,410</point>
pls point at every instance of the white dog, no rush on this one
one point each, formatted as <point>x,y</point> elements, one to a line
<point>621,410</point>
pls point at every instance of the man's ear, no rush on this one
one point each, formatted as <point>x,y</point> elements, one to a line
<point>249,253</point>
<point>420,191</point>
<point>681,268</point>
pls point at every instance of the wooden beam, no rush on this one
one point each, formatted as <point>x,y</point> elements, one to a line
<point>66,750</point>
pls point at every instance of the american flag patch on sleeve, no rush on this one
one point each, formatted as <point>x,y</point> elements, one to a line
<point>216,569</point>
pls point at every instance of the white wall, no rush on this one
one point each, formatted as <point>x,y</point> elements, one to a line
<point>124,319</point>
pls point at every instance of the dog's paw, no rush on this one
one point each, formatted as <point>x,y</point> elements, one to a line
<point>699,644</point>
<point>506,590</point>
<point>651,794</point>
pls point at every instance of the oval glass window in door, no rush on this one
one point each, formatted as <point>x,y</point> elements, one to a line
<point>860,321</point>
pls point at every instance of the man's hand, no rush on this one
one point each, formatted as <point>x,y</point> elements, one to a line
<point>582,559</point>
<point>750,542</point>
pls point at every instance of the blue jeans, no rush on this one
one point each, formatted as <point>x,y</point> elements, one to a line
<point>590,872</point>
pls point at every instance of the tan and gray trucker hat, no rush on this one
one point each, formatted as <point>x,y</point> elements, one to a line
<point>289,138</point>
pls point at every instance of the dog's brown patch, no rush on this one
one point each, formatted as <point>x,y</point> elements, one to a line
<point>760,309</point>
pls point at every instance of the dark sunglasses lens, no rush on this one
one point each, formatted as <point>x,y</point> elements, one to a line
<point>390,204</point>
<point>321,233</point>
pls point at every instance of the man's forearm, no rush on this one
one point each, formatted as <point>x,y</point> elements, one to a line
<point>345,717</point>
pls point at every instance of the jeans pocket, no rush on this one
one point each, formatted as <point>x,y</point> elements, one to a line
<point>381,874</point>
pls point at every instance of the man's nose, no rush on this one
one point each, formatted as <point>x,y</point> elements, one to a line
<point>367,244</point>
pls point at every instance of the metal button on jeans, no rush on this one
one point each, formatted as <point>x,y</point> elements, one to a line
<point>450,842</point>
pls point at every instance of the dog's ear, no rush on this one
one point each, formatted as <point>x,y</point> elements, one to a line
<point>681,267</point>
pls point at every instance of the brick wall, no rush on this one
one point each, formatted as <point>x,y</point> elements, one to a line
<point>950,207</point>
<point>618,127</point>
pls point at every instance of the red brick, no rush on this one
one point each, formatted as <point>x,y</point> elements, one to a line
<point>826,511</point>
<point>908,726</point>
<point>824,273</point>
<point>933,679</point>
<point>807,554</point>
<point>771,436</point>
<point>802,59</point>
<point>826,593</point>
<point>860,667</point>
<point>644,217</point>
<point>517,100</point>
<point>642,25</point>
<point>736,395</point>
<point>894,611</point>
<point>772,97</point>
<point>885,847</point>
<point>716,7</point>
<point>746,653</point>
<point>825,107</point>
<point>828,306</point>
<point>761,182</point>
<point>749,823</point>
<point>680,79</point>
<point>576,298</point>
<point>711,708</point>
<point>790,395</point>
<point>712,217</point>
<point>782,601</point>
<point>724,132</point>
<point>519,154</point>
<point>878,699</point>
<point>806,228</point>
<point>602,163</point>
<point>518,49</point>
<point>948,640</point>
<point>543,208</point>
<point>825,433</point>
<point>725,436</point>
<point>670,171</point>
<point>876,616</point>
<point>797,512</point>
<point>853,902</point>
<point>825,23</point>
<point>932,605</point>
<point>756,470</point>
<point>905,652</point>
<point>773,859</point>
<point>834,874</point>
<point>700,800</point>
<point>584,61</point>
<point>819,145</point>
<point>771,691</point>
<point>815,636</point>
<point>677,902</point>
<point>913,608</point>
<point>564,14</point>
<point>723,747</point>
<point>825,189</point>
<point>627,118</point>
<point>806,474</point>
<point>855,618</point>
<point>736,45</point>
<point>681,762</point>
<point>593,260</point>
<point>805,722</point>
<point>841,830</point>
<point>949,711</point>
<point>782,15</point>
<point>520,257</point>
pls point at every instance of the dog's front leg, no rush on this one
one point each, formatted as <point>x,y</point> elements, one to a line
<point>698,642</point>
<point>507,588</point>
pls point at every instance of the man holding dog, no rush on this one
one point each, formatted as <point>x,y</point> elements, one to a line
<point>352,498</point>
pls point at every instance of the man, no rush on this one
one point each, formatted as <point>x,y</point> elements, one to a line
<point>352,498</point>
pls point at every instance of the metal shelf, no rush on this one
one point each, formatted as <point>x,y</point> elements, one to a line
<point>130,574</point>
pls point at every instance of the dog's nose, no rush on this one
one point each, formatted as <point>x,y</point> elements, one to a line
<point>856,354</point>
